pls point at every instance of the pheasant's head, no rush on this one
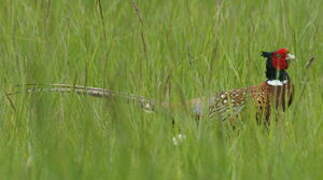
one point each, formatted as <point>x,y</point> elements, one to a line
<point>277,63</point>
<point>279,59</point>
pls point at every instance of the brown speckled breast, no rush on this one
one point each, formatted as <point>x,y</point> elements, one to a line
<point>267,97</point>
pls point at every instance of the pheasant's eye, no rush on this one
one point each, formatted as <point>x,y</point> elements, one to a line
<point>278,55</point>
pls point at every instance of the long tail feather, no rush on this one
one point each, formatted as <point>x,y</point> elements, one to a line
<point>146,103</point>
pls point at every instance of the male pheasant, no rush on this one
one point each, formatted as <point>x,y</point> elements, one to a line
<point>277,91</point>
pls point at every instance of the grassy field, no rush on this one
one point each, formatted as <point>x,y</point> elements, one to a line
<point>166,50</point>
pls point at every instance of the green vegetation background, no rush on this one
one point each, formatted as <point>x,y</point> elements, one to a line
<point>167,50</point>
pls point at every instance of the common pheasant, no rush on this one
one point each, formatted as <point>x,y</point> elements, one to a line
<point>277,91</point>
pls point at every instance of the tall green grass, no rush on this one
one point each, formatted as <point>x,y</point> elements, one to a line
<point>167,50</point>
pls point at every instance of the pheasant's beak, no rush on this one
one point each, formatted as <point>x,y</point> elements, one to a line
<point>290,56</point>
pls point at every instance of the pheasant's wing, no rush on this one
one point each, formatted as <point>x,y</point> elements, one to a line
<point>224,104</point>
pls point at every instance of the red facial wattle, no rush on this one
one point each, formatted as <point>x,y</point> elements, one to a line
<point>279,59</point>
<point>279,63</point>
